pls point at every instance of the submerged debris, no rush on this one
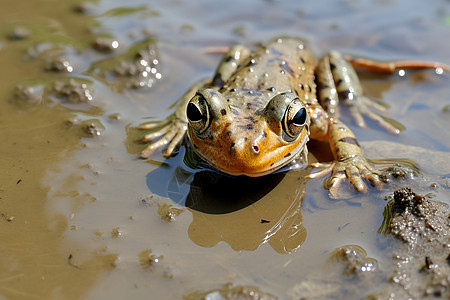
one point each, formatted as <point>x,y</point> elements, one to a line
<point>147,259</point>
<point>138,68</point>
<point>74,94</point>
<point>446,109</point>
<point>8,218</point>
<point>90,127</point>
<point>71,263</point>
<point>168,212</point>
<point>59,64</point>
<point>142,70</point>
<point>361,271</point>
<point>152,262</point>
<point>147,200</point>
<point>228,292</point>
<point>19,33</point>
<point>105,45</point>
<point>355,260</point>
<point>71,92</point>
<point>117,232</point>
<point>399,171</point>
<point>29,94</point>
<point>114,117</point>
<point>84,7</point>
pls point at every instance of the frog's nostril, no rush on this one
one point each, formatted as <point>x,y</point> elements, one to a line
<point>255,149</point>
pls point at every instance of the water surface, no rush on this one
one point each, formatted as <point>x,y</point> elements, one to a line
<point>83,217</point>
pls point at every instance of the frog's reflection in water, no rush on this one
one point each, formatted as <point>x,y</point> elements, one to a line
<point>213,193</point>
<point>244,212</point>
<point>263,209</point>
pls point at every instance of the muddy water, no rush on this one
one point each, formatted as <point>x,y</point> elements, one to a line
<point>82,217</point>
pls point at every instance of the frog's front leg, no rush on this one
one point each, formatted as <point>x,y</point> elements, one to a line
<point>172,130</point>
<point>349,160</point>
<point>337,80</point>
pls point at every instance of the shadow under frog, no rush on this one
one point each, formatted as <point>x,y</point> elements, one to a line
<point>242,211</point>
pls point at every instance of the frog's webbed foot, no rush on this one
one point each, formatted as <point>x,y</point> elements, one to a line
<point>350,162</point>
<point>351,90</point>
<point>168,132</point>
<point>337,80</point>
<point>352,168</point>
<point>360,106</point>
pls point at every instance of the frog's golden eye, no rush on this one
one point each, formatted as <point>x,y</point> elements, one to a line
<point>197,112</point>
<point>286,115</point>
<point>294,119</point>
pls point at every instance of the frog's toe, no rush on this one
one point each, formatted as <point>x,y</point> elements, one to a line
<point>373,178</point>
<point>338,187</point>
<point>357,170</point>
<point>388,126</point>
<point>356,114</point>
<point>361,107</point>
<point>152,125</point>
<point>175,141</point>
<point>148,151</point>
<point>377,104</point>
<point>358,185</point>
<point>156,134</point>
<point>353,174</point>
<point>169,132</point>
<point>326,168</point>
<point>332,182</point>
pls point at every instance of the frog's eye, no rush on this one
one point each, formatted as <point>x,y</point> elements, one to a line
<point>197,112</point>
<point>294,118</point>
<point>286,116</point>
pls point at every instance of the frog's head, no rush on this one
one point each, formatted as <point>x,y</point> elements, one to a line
<point>238,140</point>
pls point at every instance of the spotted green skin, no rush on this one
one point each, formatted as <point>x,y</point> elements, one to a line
<point>244,108</point>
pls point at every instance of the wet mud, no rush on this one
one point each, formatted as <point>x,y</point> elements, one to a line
<point>415,232</point>
<point>422,269</point>
<point>83,217</point>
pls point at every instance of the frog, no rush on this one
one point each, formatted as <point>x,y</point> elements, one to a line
<point>256,115</point>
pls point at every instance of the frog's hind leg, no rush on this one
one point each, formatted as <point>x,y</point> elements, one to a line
<point>337,80</point>
<point>229,64</point>
<point>326,88</point>
<point>392,66</point>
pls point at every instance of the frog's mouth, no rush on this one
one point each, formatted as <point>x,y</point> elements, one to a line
<point>297,160</point>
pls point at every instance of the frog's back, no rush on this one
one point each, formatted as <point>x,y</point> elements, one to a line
<point>282,65</point>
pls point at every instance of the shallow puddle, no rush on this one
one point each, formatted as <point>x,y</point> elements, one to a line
<point>83,217</point>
